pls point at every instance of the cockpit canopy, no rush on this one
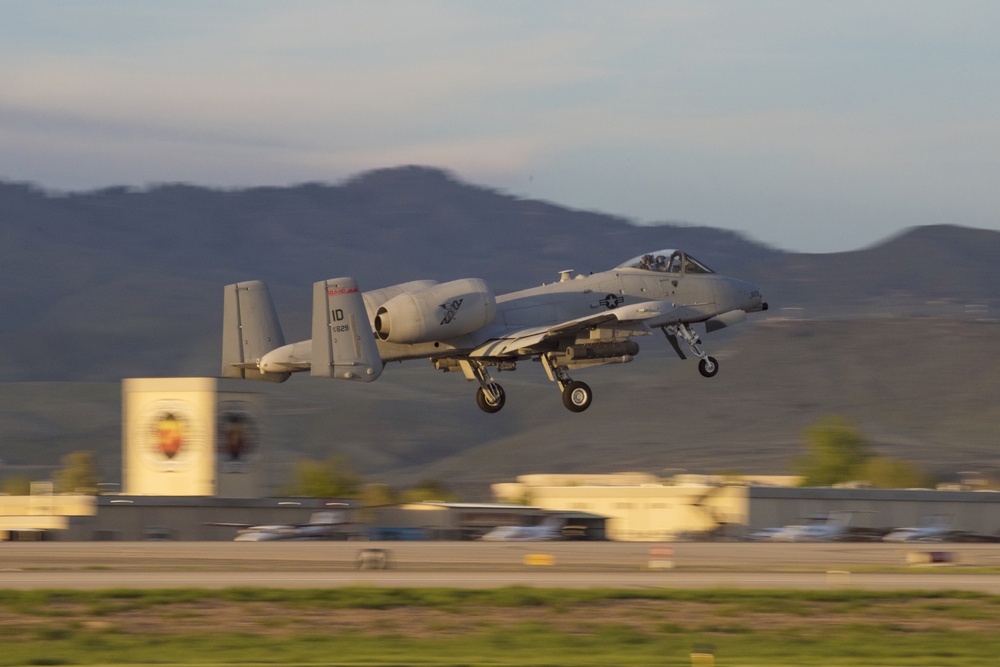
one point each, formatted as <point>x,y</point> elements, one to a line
<point>666,261</point>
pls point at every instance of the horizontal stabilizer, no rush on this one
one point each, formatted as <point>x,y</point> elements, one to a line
<point>343,345</point>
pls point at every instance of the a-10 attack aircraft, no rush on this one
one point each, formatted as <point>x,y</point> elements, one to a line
<point>462,326</point>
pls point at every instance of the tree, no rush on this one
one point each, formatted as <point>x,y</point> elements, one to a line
<point>836,452</point>
<point>883,472</point>
<point>79,474</point>
<point>331,478</point>
<point>373,495</point>
<point>17,485</point>
<point>430,489</point>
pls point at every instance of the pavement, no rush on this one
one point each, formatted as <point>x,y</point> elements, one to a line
<point>287,564</point>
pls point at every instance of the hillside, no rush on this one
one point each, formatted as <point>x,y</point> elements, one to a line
<point>910,389</point>
<point>118,283</point>
<point>127,283</point>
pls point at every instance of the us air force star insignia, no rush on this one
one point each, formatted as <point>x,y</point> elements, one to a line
<point>450,309</point>
<point>612,301</point>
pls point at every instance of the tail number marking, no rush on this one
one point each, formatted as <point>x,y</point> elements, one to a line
<point>337,315</point>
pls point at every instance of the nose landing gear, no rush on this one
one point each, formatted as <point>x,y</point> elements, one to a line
<point>708,366</point>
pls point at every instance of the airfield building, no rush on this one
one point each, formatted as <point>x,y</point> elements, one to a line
<point>194,451</point>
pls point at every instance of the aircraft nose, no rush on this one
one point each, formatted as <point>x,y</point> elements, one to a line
<point>756,299</point>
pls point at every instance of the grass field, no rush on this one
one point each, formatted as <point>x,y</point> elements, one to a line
<point>512,626</point>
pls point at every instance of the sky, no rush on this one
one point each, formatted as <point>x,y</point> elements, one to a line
<point>811,126</point>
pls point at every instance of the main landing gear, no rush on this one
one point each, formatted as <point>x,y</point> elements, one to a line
<point>491,399</point>
<point>576,395</point>
<point>708,366</point>
<point>490,396</point>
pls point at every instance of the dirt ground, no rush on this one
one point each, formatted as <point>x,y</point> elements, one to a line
<point>268,619</point>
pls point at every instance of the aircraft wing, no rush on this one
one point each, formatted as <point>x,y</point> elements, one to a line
<point>641,317</point>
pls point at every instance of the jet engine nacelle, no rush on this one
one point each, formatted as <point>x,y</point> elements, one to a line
<point>375,299</point>
<point>436,313</point>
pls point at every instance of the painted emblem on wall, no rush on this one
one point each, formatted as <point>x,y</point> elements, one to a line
<point>239,437</point>
<point>169,436</point>
<point>170,432</point>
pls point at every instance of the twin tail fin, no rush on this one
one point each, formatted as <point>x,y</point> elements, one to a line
<point>342,345</point>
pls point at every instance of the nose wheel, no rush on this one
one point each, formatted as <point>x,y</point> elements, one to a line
<point>708,366</point>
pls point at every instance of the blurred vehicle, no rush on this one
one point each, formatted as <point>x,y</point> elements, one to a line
<point>326,525</point>
<point>550,528</point>
<point>934,528</point>
<point>830,527</point>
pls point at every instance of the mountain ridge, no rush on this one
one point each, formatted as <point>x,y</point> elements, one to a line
<point>121,282</point>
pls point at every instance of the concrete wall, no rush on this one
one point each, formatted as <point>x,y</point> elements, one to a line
<point>646,513</point>
<point>131,518</point>
<point>973,511</point>
<point>659,513</point>
<point>455,521</point>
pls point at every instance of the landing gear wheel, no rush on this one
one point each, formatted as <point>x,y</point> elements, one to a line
<point>577,396</point>
<point>708,367</point>
<point>487,404</point>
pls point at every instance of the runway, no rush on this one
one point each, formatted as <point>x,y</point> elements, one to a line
<point>102,565</point>
<point>97,580</point>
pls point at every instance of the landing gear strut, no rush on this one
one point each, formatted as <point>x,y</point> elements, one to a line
<point>576,395</point>
<point>708,366</point>
<point>490,397</point>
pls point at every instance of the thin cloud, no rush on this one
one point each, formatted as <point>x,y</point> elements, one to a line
<point>756,116</point>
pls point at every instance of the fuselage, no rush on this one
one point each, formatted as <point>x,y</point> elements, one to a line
<point>669,278</point>
<point>710,294</point>
<point>462,325</point>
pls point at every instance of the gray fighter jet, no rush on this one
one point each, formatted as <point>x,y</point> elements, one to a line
<point>462,326</point>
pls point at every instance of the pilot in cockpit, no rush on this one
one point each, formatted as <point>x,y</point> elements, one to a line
<point>661,263</point>
<point>646,264</point>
